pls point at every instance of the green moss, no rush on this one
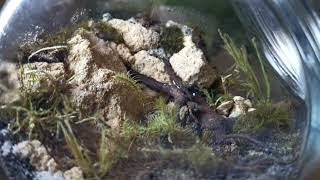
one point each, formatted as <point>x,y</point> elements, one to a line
<point>172,40</point>
<point>132,83</point>
<point>161,121</point>
<point>266,115</point>
<point>108,33</point>
<point>59,37</point>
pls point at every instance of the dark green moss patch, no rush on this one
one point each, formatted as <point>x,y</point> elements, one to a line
<point>50,39</point>
<point>172,40</point>
<point>108,33</point>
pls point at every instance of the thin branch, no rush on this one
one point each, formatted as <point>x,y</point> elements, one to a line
<point>46,49</point>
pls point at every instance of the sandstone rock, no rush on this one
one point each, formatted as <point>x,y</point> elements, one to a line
<point>241,107</point>
<point>135,35</point>
<point>79,58</point>
<point>9,82</point>
<point>37,154</point>
<point>74,174</point>
<point>238,99</point>
<point>52,165</point>
<point>23,149</point>
<point>92,64</point>
<point>248,103</point>
<point>183,112</point>
<point>150,66</point>
<point>125,54</point>
<point>225,108</point>
<point>8,76</point>
<point>191,65</point>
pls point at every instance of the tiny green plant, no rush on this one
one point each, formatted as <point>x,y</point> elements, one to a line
<point>132,83</point>
<point>163,120</point>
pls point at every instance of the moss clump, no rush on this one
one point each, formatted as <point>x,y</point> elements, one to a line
<point>161,121</point>
<point>172,40</point>
<point>62,36</point>
<point>266,115</point>
<point>108,33</point>
<point>51,39</point>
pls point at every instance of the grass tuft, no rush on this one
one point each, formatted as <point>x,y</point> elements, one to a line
<point>78,152</point>
<point>163,120</point>
<point>125,78</point>
<point>267,115</point>
<point>258,89</point>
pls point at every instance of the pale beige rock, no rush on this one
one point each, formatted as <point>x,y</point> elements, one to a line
<point>93,88</point>
<point>136,36</point>
<point>192,67</point>
<point>225,107</point>
<point>241,107</point>
<point>37,154</point>
<point>23,149</point>
<point>125,54</point>
<point>248,103</point>
<point>9,83</point>
<point>74,173</point>
<point>150,66</point>
<point>238,99</point>
<point>190,63</point>
<point>52,165</point>
<point>79,58</point>
<point>8,76</point>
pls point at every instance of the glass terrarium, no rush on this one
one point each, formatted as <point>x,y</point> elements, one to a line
<point>159,89</point>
